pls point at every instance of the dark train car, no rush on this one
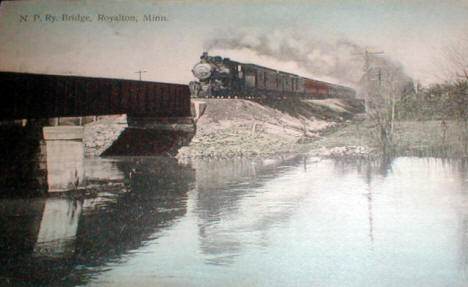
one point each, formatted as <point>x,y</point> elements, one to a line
<point>261,81</point>
<point>300,86</point>
<point>271,80</point>
<point>288,83</point>
<point>42,96</point>
<point>249,77</point>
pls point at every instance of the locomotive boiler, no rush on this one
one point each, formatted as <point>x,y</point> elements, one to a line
<point>223,78</point>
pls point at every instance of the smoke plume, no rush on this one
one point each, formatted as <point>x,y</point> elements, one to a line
<point>339,61</point>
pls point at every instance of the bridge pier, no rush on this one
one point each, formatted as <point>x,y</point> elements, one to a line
<point>64,158</point>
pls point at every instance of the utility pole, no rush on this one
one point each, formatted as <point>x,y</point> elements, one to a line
<point>366,55</point>
<point>366,58</point>
<point>140,72</point>
<point>380,77</point>
<point>366,76</point>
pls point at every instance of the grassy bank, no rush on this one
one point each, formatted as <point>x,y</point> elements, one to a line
<point>233,127</point>
<point>411,138</point>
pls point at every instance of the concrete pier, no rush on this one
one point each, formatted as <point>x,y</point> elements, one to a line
<point>64,157</point>
<point>63,133</point>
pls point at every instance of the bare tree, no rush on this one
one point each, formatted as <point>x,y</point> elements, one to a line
<point>457,88</point>
<point>384,85</point>
<point>456,61</point>
<point>458,95</point>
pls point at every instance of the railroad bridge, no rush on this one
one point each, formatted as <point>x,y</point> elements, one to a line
<point>158,115</point>
<point>48,123</point>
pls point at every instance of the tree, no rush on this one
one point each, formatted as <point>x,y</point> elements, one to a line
<point>458,95</point>
<point>384,85</point>
<point>456,61</point>
<point>457,88</point>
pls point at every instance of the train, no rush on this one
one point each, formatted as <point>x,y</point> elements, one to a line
<point>220,77</point>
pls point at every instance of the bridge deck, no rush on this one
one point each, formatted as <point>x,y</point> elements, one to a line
<point>26,96</point>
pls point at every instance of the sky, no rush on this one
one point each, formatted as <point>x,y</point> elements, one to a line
<point>319,39</point>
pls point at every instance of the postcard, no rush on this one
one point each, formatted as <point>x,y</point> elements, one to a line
<point>234,143</point>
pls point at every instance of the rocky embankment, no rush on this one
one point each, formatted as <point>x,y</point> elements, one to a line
<point>99,135</point>
<point>235,127</point>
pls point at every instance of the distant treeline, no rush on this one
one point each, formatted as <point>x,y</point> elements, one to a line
<point>448,101</point>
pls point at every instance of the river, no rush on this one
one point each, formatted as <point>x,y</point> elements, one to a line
<point>300,221</point>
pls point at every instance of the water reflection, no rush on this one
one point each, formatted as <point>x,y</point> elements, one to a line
<point>461,171</point>
<point>297,221</point>
<point>58,228</point>
<point>65,241</point>
<point>368,170</point>
<point>221,186</point>
<point>408,209</point>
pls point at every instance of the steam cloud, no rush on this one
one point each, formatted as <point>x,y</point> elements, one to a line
<point>339,61</point>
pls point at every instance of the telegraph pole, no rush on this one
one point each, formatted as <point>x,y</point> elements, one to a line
<point>366,76</point>
<point>366,54</point>
<point>140,72</point>
<point>366,58</point>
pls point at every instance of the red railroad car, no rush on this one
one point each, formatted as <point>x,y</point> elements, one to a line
<point>316,88</point>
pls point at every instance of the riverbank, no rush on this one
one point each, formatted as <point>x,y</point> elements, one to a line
<point>241,128</point>
<point>326,128</point>
<point>411,138</point>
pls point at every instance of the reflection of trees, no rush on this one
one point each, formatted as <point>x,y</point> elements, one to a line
<point>462,173</point>
<point>368,169</point>
<point>459,169</point>
<point>213,182</point>
<point>221,185</point>
<point>464,240</point>
<point>155,196</point>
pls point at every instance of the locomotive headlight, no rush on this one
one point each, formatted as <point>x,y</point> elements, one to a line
<point>202,71</point>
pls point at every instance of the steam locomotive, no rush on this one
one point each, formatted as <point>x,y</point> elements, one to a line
<point>224,78</point>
